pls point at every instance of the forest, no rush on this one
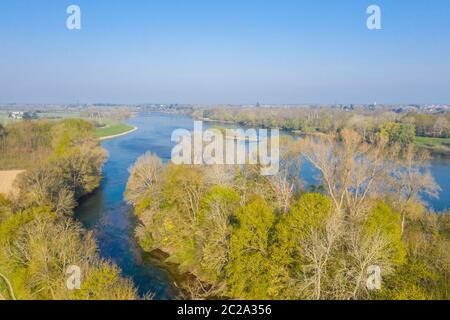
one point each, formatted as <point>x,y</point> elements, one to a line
<point>241,235</point>
<point>39,237</point>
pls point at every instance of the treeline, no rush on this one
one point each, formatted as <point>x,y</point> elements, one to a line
<point>301,119</point>
<point>246,236</point>
<point>106,114</point>
<point>326,119</point>
<point>24,144</point>
<point>429,125</point>
<point>39,238</point>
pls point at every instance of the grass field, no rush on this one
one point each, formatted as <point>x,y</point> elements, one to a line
<point>113,129</point>
<point>434,144</point>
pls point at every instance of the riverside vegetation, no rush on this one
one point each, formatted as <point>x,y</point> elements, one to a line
<point>240,235</point>
<point>39,239</point>
<point>246,236</point>
<point>432,130</point>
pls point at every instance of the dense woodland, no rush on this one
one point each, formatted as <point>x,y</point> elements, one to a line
<point>246,236</point>
<point>39,239</point>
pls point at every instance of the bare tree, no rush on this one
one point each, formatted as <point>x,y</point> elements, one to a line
<point>364,250</point>
<point>351,169</point>
<point>287,180</point>
<point>222,175</point>
<point>440,125</point>
<point>318,248</point>
<point>144,174</point>
<point>65,201</point>
<point>412,179</point>
<point>194,289</point>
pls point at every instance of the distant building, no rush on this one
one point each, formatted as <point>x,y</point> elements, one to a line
<point>16,115</point>
<point>23,115</point>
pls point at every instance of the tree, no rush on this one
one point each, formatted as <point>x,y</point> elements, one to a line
<point>410,181</point>
<point>104,282</point>
<point>317,254</point>
<point>318,232</point>
<point>144,175</point>
<point>39,247</point>
<point>38,237</point>
<point>375,241</point>
<point>71,166</point>
<point>80,167</point>
<point>304,241</point>
<point>214,231</point>
<point>399,133</point>
<point>44,187</point>
<point>175,221</point>
<point>249,264</point>
<point>184,187</point>
<point>287,180</point>
<point>351,169</point>
<point>70,133</point>
<point>440,126</point>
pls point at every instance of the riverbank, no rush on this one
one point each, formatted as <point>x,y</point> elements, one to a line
<point>434,145</point>
<point>114,131</point>
<point>437,145</point>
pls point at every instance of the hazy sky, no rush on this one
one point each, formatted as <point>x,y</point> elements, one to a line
<point>225,51</point>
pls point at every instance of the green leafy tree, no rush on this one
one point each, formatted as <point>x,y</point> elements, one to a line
<point>386,223</point>
<point>176,222</point>
<point>399,133</point>
<point>104,282</point>
<point>302,248</point>
<point>249,264</point>
<point>40,246</point>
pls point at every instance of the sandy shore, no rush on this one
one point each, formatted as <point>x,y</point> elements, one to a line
<point>7,179</point>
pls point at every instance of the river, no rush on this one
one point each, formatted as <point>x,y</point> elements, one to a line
<point>106,214</point>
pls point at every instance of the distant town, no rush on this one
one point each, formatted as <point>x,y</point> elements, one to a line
<point>33,111</point>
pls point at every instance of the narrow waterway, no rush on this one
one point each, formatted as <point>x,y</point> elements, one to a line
<point>111,219</point>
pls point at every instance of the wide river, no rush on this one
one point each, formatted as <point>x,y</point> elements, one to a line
<point>111,219</point>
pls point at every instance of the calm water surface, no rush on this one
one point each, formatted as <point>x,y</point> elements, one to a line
<point>112,221</point>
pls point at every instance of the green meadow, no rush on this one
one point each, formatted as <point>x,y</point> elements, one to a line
<point>112,130</point>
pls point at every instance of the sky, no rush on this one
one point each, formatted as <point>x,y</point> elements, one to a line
<point>225,51</point>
